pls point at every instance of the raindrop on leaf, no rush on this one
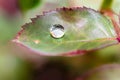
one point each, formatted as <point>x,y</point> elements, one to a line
<point>57,31</point>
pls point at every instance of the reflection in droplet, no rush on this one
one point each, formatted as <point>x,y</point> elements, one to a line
<point>57,31</point>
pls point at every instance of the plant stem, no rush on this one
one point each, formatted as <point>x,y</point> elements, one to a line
<point>106,5</point>
<point>106,10</point>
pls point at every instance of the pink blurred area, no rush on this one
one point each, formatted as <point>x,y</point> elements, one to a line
<point>9,6</point>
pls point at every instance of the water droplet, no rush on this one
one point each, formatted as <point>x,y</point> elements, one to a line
<point>57,31</point>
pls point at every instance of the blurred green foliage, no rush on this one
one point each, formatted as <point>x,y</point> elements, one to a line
<point>116,6</point>
<point>26,5</point>
<point>13,68</point>
<point>8,28</point>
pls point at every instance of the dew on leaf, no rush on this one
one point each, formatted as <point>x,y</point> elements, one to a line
<point>57,31</point>
<point>77,30</point>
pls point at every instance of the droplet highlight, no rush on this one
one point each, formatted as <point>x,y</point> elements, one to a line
<point>57,31</point>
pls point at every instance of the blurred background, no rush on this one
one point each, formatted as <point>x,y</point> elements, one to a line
<point>17,63</point>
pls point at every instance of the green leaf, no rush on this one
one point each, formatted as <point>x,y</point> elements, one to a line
<point>28,4</point>
<point>85,30</point>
